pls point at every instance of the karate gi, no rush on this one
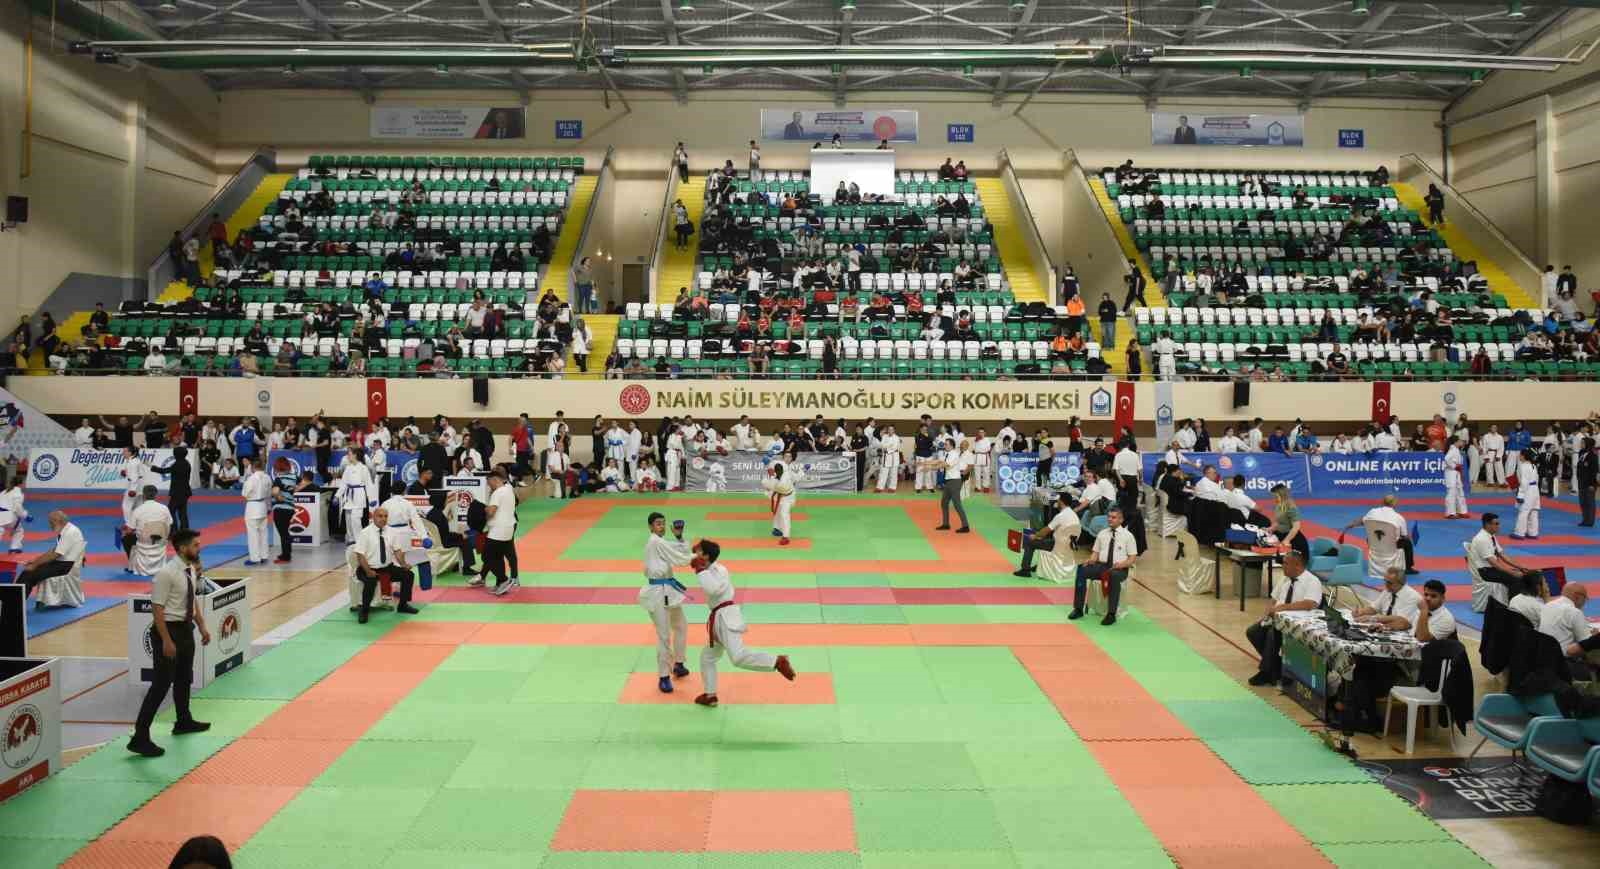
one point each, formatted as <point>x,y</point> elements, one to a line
<point>983,462</point>
<point>1527,499</point>
<point>782,492</point>
<point>1455,497</point>
<point>662,597</point>
<point>888,463</point>
<point>133,474</point>
<point>725,630</point>
<point>151,523</point>
<point>635,443</point>
<point>257,490</point>
<point>674,461</point>
<point>1492,447</point>
<point>12,515</point>
<point>356,493</point>
<point>616,447</point>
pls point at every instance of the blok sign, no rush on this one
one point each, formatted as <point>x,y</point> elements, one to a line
<point>569,129</point>
<point>960,134</point>
<point>1352,138</point>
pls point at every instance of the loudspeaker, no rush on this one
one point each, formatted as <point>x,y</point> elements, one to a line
<point>1241,393</point>
<point>16,209</point>
<point>480,391</point>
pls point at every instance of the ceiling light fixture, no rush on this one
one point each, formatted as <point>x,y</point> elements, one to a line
<point>1246,72</point>
<point>1359,7</point>
<point>850,5</point>
<point>1206,4</point>
<point>685,7</point>
<point>441,69</point>
<point>168,8</point>
<point>1018,5</point>
<point>1476,77</point>
<point>1514,9</point>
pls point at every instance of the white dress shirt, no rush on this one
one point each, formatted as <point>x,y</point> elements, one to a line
<point>1115,545</point>
<point>1405,603</point>
<point>1483,549</point>
<point>1238,500</point>
<point>958,465</point>
<point>70,546</point>
<point>150,513</point>
<point>1385,513</point>
<point>1230,444</point>
<point>1441,624</point>
<point>1207,489</point>
<point>1529,607</point>
<point>1126,463</point>
<point>374,545</point>
<point>1305,587</point>
<point>1562,619</point>
<point>1065,522</point>
<point>172,586</point>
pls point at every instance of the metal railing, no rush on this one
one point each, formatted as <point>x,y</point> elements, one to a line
<point>663,226</point>
<point>244,182</point>
<point>588,218</point>
<point>1040,252</point>
<point>1460,200</point>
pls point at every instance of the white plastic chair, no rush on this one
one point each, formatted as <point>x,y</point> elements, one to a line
<point>1415,698</point>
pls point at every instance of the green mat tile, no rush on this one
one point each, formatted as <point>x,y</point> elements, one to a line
<point>996,859</point>
<point>1142,855</point>
<point>764,614</point>
<point>786,859</point>
<point>887,688</point>
<point>343,631</point>
<point>908,766</point>
<point>460,612</point>
<point>1036,765</point>
<point>382,763</point>
<point>487,819</point>
<point>780,766</point>
<point>616,860</point>
<point>943,614</point>
<point>113,762</point>
<point>1003,614</point>
<point>676,723</point>
<point>251,682</point>
<point>446,722</point>
<point>780,724</point>
<point>553,685</point>
<point>38,853</point>
<point>862,614</point>
<point>621,767</point>
<point>958,580</point>
<point>345,816</point>
<point>60,808</point>
<point>926,821</point>
<point>522,764</point>
<point>1288,760</point>
<point>1033,820</point>
<point>1423,855</point>
<point>1345,813</point>
<point>258,854</point>
<point>505,659</point>
<point>416,858</point>
<point>1230,719</point>
<point>1200,685</point>
<point>228,717</point>
<point>470,686</point>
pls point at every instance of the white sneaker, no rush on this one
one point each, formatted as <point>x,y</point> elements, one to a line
<point>475,582</point>
<point>502,587</point>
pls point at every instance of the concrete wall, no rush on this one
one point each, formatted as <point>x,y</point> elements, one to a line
<point>119,159</point>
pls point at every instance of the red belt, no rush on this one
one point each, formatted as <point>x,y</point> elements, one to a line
<point>711,623</point>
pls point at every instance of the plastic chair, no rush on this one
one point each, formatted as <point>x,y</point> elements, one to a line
<point>1565,748</point>
<point>382,602</point>
<point>1344,575</point>
<point>1324,554</point>
<point>1415,697</point>
<point>1505,720</point>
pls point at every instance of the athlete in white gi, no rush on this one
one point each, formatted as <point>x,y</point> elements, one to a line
<point>888,461</point>
<point>662,597</point>
<point>726,627</point>
<point>983,461</point>
<point>1492,447</point>
<point>1455,472</point>
<point>1527,500</point>
<point>674,460</point>
<point>356,493</point>
<point>635,443</point>
<point>132,473</point>
<point>780,485</point>
<point>616,441</point>
<point>13,514</point>
<point>257,491</point>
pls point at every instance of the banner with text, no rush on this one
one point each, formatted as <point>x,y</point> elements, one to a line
<point>743,471</point>
<point>852,125</point>
<point>1017,473</point>
<point>1373,475</point>
<point>1261,471</point>
<point>1249,130</point>
<point>722,399</point>
<point>92,469</point>
<point>448,122</point>
<point>404,464</point>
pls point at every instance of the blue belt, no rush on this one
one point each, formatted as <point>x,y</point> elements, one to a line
<point>669,581</point>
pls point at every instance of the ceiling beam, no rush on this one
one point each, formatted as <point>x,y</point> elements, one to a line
<point>1201,18</point>
<point>492,15</point>
<point>841,79</point>
<point>999,94</point>
<point>358,79</point>
<point>1374,22</point>
<point>680,84</point>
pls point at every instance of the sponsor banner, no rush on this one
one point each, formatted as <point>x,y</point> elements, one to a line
<point>401,462</point>
<point>743,471</point>
<point>30,722</point>
<point>1017,473</point>
<point>1374,475</point>
<point>309,524</point>
<point>852,125</point>
<point>448,122</point>
<point>460,492</point>
<point>24,427</point>
<point>1165,413</point>
<point>1445,788</point>
<point>1261,471</point>
<point>227,616</point>
<point>1261,130</point>
<point>263,387</point>
<point>91,469</point>
<point>729,398</point>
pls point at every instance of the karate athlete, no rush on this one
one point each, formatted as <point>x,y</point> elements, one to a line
<point>132,473</point>
<point>674,460</point>
<point>888,461</point>
<point>1492,447</point>
<point>662,597</point>
<point>780,483</point>
<point>725,628</point>
<point>257,490</point>
<point>616,441</point>
<point>1455,472</point>
<point>13,514</point>
<point>1527,499</point>
<point>635,444</point>
<point>402,530</point>
<point>356,493</point>
<point>983,461</point>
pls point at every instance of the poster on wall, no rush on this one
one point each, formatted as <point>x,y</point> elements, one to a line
<point>448,122</point>
<point>854,126</point>
<point>1247,130</point>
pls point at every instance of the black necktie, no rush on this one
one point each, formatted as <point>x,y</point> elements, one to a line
<point>1390,611</point>
<point>1288,593</point>
<point>383,551</point>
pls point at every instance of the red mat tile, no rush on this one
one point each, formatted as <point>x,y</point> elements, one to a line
<point>119,854</point>
<point>495,634</point>
<point>1233,856</point>
<point>733,687</point>
<point>865,595</point>
<point>1137,720</point>
<point>931,596</point>
<point>405,658</point>
<point>1100,685</point>
<point>430,633</point>
<point>334,719</point>
<point>1186,764</point>
<point>998,635</point>
<point>1011,596</point>
<point>1233,815</point>
<point>261,762</point>
<point>1041,660</point>
<point>752,516</point>
<point>635,821</point>
<point>733,544</point>
<point>232,813</point>
<point>781,821</point>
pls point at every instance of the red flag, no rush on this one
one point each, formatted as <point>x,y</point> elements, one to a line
<point>377,400</point>
<point>188,395</point>
<point>1380,402</point>
<point>1124,406</point>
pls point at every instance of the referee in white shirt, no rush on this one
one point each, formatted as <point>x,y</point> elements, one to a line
<point>174,617</point>
<point>502,528</point>
<point>957,465</point>
<point>1113,556</point>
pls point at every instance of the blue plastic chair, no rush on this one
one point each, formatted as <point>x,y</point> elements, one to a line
<point>1594,781</point>
<point>1352,554</point>
<point>1324,554</point>
<point>1343,575</point>
<point>1505,720</point>
<point>1565,748</point>
<point>1096,524</point>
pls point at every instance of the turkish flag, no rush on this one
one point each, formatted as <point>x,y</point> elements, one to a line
<point>1124,406</point>
<point>1380,402</point>
<point>377,400</point>
<point>188,395</point>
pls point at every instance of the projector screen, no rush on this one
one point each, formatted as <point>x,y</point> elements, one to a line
<point>872,171</point>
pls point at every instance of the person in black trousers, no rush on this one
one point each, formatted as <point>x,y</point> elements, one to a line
<point>1588,471</point>
<point>858,446</point>
<point>1136,285</point>
<point>178,491</point>
<point>175,618</point>
<point>375,560</point>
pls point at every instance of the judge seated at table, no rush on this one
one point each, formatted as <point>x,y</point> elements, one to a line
<point>1398,608</point>
<point>1299,589</point>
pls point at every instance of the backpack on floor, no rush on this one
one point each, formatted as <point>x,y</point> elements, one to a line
<point>1564,802</point>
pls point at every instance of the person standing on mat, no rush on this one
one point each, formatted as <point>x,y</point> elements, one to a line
<point>179,490</point>
<point>726,627</point>
<point>780,484</point>
<point>662,597</point>
<point>957,465</point>
<point>1455,479</point>
<point>1299,589</point>
<point>257,492</point>
<point>499,532</point>
<point>174,619</point>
